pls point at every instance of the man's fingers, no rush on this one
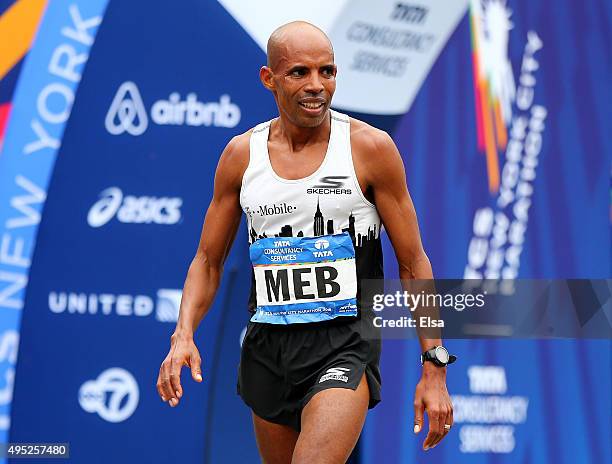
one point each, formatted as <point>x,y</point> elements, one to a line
<point>418,416</point>
<point>448,423</point>
<point>175,382</point>
<point>434,427</point>
<point>164,381</point>
<point>160,390</point>
<point>443,419</point>
<point>445,423</point>
<point>196,367</point>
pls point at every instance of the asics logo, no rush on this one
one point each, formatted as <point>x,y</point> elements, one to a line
<point>134,210</point>
<point>127,112</point>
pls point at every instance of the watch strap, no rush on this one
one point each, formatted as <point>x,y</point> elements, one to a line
<point>430,355</point>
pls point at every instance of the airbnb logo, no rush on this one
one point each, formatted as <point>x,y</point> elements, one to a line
<point>127,112</point>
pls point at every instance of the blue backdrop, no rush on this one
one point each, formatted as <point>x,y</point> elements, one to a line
<point>566,234</point>
<point>126,187</point>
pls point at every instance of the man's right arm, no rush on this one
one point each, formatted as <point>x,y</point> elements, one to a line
<point>218,232</point>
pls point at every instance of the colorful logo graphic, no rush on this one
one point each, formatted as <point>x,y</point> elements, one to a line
<point>18,25</point>
<point>494,86</point>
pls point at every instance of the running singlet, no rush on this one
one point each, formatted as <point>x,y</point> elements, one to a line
<point>313,239</point>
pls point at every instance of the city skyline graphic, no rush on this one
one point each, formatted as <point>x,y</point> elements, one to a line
<point>321,227</point>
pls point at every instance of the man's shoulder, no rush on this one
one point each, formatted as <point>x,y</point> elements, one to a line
<point>239,144</point>
<point>368,140</point>
<point>236,152</point>
<point>235,159</point>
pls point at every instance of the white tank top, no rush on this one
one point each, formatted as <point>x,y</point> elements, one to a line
<point>327,202</point>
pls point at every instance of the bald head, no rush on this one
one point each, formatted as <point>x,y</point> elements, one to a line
<point>289,38</point>
<point>300,73</point>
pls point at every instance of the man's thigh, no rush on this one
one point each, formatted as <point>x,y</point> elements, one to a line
<point>331,424</point>
<point>275,442</point>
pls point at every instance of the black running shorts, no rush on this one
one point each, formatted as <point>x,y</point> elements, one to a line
<point>283,366</point>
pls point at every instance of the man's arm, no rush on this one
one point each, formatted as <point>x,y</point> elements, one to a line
<point>387,180</point>
<point>218,232</point>
<point>381,168</point>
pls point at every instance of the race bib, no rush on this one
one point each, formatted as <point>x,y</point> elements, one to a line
<point>299,279</point>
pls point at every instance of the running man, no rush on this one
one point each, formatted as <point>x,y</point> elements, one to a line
<point>315,186</point>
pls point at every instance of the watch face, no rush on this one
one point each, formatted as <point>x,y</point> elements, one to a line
<point>442,354</point>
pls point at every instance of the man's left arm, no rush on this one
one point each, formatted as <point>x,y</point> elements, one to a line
<point>386,179</point>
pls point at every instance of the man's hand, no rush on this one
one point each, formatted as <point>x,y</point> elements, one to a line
<point>183,352</point>
<point>431,396</point>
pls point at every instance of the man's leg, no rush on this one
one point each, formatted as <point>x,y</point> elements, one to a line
<point>331,423</point>
<point>274,441</point>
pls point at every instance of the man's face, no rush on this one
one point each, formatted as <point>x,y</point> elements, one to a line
<point>303,79</point>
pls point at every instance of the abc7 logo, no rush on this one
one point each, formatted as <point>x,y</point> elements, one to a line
<point>113,395</point>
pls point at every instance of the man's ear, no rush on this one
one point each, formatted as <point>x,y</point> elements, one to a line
<point>266,75</point>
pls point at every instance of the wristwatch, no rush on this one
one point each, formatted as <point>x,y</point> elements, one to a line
<point>439,356</point>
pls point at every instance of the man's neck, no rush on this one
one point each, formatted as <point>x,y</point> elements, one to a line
<point>297,137</point>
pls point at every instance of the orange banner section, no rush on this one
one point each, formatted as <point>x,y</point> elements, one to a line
<point>18,26</point>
